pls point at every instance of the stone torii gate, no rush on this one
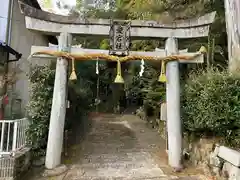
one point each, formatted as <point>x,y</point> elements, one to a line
<point>53,24</point>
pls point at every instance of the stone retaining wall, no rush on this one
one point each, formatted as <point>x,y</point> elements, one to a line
<point>205,153</point>
<point>225,162</point>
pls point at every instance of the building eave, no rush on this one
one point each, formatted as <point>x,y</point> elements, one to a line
<point>10,50</point>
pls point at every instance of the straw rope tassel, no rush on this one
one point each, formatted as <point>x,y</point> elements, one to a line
<point>162,77</point>
<point>73,75</point>
<point>97,67</point>
<point>142,68</point>
<point>119,78</point>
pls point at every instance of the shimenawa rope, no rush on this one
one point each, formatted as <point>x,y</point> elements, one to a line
<point>119,60</point>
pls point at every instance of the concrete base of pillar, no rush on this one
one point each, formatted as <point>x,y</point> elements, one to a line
<point>56,171</point>
<point>178,169</point>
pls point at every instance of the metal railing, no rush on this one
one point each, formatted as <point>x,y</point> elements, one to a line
<point>6,168</point>
<point>12,136</point>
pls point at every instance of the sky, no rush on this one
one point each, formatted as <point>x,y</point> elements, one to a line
<point>3,20</point>
<point>56,9</point>
<point>67,2</point>
<point>70,2</point>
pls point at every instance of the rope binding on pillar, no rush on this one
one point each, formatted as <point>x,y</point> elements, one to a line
<point>119,60</point>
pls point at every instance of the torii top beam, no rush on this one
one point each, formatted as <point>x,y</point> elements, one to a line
<point>54,24</point>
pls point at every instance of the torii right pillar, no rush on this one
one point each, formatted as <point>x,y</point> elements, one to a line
<point>174,125</point>
<point>232,16</point>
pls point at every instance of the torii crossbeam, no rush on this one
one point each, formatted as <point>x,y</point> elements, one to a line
<point>48,23</point>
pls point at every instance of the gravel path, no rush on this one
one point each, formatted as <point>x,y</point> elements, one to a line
<point>116,148</point>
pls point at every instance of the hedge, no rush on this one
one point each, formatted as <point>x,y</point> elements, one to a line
<point>211,105</point>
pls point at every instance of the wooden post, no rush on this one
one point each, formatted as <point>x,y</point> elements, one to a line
<point>57,120</point>
<point>174,126</point>
<point>209,52</point>
<point>163,118</point>
<point>232,15</point>
<point>213,50</point>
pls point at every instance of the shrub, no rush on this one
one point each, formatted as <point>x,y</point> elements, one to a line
<point>146,89</point>
<point>211,105</point>
<point>39,108</point>
<point>80,96</point>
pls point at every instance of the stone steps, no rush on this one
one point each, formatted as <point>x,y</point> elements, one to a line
<point>118,161</point>
<point>119,155</point>
<point>130,173</point>
<point>114,152</point>
<point>123,178</point>
<point>119,164</point>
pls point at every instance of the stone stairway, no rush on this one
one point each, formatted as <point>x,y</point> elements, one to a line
<point>112,150</point>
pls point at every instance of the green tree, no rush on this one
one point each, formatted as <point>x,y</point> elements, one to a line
<point>164,11</point>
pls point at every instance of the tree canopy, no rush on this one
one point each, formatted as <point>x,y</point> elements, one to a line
<point>164,11</point>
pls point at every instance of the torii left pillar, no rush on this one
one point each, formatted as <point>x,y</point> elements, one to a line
<point>58,113</point>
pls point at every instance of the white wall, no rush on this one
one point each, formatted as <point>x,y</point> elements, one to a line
<point>21,40</point>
